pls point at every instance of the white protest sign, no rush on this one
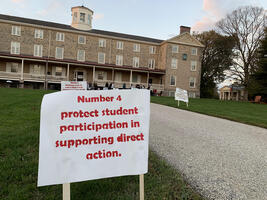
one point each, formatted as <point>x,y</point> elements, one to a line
<point>86,135</point>
<point>73,85</point>
<point>181,95</point>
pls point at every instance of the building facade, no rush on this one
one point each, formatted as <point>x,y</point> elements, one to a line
<point>40,54</point>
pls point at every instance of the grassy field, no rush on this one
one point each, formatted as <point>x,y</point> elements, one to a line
<point>249,113</point>
<point>19,141</point>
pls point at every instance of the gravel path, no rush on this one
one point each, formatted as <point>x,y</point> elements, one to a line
<point>220,158</point>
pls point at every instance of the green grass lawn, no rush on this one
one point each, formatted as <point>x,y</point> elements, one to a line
<point>19,143</point>
<point>245,112</point>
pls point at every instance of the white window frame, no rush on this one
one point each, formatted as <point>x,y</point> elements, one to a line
<point>60,37</point>
<point>81,55</point>
<point>82,17</point>
<point>81,36</point>
<point>192,51</point>
<point>16,30</point>
<point>191,94</point>
<point>152,50</point>
<point>59,57</point>
<point>16,65</point>
<point>193,63</point>
<point>38,34</point>
<point>99,57</point>
<point>174,63</point>
<point>120,45</point>
<point>38,50</point>
<point>171,80</point>
<point>136,62</point>
<point>15,48</point>
<point>194,80</point>
<point>175,48</point>
<point>59,71</point>
<point>151,63</point>
<point>102,42</point>
<point>136,47</point>
<point>119,60</point>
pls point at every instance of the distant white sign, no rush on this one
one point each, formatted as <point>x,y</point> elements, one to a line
<point>181,95</point>
<point>86,135</point>
<point>73,85</point>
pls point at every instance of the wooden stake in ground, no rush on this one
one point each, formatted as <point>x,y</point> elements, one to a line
<point>66,191</point>
<point>178,103</point>
<point>141,185</point>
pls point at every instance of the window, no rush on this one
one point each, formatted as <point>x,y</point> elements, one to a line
<point>81,55</point>
<point>194,51</point>
<point>152,49</point>
<point>14,67</point>
<point>102,43</point>
<point>135,62</point>
<point>59,52</point>
<point>81,39</point>
<point>175,48</point>
<point>136,78</point>
<point>119,60</point>
<point>75,17</point>
<point>16,30</point>
<point>119,45</point>
<point>15,48</point>
<point>174,63</point>
<point>60,37</point>
<point>173,80</point>
<point>89,19</point>
<point>151,63</point>
<point>82,17</point>
<point>192,95</point>
<point>184,56</point>
<point>192,82</point>
<point>101,75</point>
<point>136,47</point>
<point>58,71</point>
<point>101,58</point>
<point>38,50</point>
<point>193,65</point>
<point>36,69</point>
<point>39,34</point>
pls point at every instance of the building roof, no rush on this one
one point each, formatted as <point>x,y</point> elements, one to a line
<point>68,27</point>
<point>83,7</point>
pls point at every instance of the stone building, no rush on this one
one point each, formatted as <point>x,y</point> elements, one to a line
<point>41,54</point>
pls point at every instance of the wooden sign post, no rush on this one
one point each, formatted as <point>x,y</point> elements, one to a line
<point>141,187</point>
<point>66,191</point>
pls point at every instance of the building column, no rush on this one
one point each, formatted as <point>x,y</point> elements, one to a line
<point>46,70</point>
<point>112,76</point>
<point>147,79</point>
<point>68,72</point>
<point>131,77</point>
<point>21,84</point>
<point>93,74</point>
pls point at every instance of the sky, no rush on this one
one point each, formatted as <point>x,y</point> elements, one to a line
<point>159,19</point>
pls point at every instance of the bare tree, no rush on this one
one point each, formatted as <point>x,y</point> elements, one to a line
<point>246,25</point>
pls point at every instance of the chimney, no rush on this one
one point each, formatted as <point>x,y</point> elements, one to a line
<point>184,29</point>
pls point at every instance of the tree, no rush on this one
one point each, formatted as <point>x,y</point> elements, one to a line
<point>216,58</point>
<point>259,86</point>
<point>246,25</point>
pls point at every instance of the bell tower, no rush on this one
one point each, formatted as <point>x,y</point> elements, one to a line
<point>82,18</point>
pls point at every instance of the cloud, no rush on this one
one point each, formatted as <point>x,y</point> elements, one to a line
<point>98,16</point>
<point>53,7</point>
<point>214,10</point>
<point>17,1</point>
